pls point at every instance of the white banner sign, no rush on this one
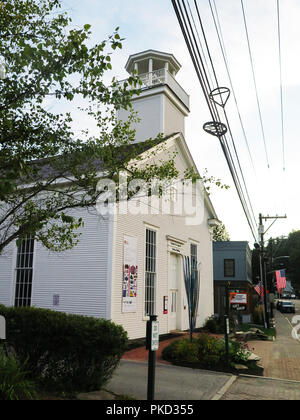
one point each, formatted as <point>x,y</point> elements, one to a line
<point>130,274</point>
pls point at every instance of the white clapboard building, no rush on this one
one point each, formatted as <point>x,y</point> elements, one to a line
<point>129,262</point>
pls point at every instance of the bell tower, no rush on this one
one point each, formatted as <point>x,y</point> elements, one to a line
<point>163,104</point>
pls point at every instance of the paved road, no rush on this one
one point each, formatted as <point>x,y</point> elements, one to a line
<point>177,384</point>
<point>172,382</point>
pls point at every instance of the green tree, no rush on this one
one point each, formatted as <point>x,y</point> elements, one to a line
<point>220,233</point>
<point>287,247</point>
<point>45,58</point>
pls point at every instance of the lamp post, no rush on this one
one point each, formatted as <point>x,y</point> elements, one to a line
<point>152,343</point>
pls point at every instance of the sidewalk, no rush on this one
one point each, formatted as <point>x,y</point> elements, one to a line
<point>280,358</point>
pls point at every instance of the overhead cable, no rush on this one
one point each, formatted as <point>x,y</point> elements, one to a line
<point>281,88</point>
<point>224,54</point>
<point>192,45</point>
<point>222,45</point>
<point>225,114</point>
<point>255,84</point>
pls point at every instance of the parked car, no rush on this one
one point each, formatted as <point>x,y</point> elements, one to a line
<point>287,307</point>
<point>279,302</point>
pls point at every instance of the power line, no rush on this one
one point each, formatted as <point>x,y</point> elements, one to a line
<point>281,89</point>
<point>191,42</point>
<point>200,43</point>
<point>223,49</point>
<point>232,165</point>
<point>254,80</point>
<point>222,45</point>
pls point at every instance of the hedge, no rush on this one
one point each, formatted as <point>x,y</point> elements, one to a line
<point>70,353</point>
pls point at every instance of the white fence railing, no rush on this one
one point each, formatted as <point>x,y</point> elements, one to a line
<point>163,77</point>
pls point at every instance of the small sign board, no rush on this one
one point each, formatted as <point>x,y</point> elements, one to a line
<point>2,328</point>
<point>227,326</point>
<point>238,298</point>
<point>155,336</point>
<point>165,305</point>
<point>239,307</point>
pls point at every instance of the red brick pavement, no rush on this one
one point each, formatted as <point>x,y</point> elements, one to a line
<point>140,354</point>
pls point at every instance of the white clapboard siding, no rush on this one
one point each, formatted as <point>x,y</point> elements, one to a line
<point>165,226</point>
<point>7,274</point>
<point>79,277</point>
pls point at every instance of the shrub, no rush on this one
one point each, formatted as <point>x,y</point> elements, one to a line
<point>209,350</point>
<point>205,352</point>
<point>14,384</point>
<point>211,325</point>
<point>181,350</point>
<point>68,353</point>
<point>214,325</point>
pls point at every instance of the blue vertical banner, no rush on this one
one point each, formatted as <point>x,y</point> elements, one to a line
<point>192,287</point>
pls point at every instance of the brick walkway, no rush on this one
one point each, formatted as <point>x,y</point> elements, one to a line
<point>281,358</point>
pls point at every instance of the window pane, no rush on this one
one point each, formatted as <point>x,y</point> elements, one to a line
<point>24,272</point>
<point>150,274</point>
<point>229,268</point>
<point>194,257</point>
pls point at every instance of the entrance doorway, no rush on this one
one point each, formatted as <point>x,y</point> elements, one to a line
<point>174,292</point>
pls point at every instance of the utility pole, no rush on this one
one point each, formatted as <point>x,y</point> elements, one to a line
<point>263,275</point>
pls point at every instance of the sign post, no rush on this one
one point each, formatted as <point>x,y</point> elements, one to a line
<point>226,323</point>
<point>2,328</point>
<point>152,344</point>
<point>227,332</point>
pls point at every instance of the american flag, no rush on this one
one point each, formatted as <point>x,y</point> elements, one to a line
<point>259,288</point>
<point>280,280</point>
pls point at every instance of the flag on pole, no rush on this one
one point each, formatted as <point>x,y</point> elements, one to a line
<point>259,288</point>
<point>280,280</point>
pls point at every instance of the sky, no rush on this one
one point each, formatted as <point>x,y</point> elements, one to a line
<point>153,25</point>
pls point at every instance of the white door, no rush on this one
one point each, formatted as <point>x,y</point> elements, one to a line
<point>174,277</point>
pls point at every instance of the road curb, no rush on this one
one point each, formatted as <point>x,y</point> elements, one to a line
<point>224,389</point>
<point>269,378</point>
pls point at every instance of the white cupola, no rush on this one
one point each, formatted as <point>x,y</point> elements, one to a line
<point>163,104</point>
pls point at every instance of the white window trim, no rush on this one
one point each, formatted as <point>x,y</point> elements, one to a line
<point>154,228</point>
<point>14,268</point>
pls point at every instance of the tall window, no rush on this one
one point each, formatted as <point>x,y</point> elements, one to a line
<point>194,258</point>
<point>24,272</point>
<point>150,273</point>
<point>229,268</point>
